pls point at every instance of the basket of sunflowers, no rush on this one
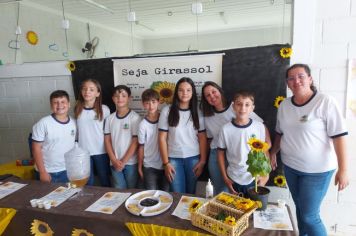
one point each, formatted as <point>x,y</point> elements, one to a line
<point>225,214</point>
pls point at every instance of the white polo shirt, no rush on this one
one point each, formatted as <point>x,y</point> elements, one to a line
<point>91,130</point>
<point>214,123</point>
<point>183,139</point>
<point>233,139</point>
<point>307,131</point>
<point>148,137</point>
<point>122,130</point>
<point>57,138</point>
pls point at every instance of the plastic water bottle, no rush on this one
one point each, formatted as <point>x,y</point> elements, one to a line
<point>209,190</point>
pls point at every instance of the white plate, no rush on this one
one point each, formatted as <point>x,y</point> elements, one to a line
<point>165,200</point>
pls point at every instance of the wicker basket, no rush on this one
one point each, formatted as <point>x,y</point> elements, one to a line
<point>205,218</point>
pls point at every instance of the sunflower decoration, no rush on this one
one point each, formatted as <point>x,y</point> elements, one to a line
<point>165,90</point>
<point>71,66</point>
<point>278,101</point>
<point>32,37</point>
<point>286,52</point>
<point>244,204</point>
<point>40,228</point>
<point>81,232</point>
<point>280,181</point>
<point>230,220</point>
<point>194,205</point>
<point>257,145</point>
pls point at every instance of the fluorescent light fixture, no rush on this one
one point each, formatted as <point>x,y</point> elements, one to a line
<point>197,8</point>
<point>98,5</point>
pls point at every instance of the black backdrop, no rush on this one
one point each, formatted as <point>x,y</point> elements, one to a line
<point>257,69</point>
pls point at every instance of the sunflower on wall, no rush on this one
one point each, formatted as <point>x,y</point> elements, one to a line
<point>165,90</point>
<point>278,100</point>
<point>286,52</point>
<point>71,66</point>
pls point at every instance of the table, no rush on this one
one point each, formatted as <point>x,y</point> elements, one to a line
<point>71,214</point>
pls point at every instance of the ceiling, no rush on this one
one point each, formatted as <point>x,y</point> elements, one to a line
<point>167,18</point>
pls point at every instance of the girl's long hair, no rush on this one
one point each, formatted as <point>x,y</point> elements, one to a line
<point>173,116</point>
<point>207,109</point>
<point>79,106</point>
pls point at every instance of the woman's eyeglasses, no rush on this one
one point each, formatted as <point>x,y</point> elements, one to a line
<point>298,76</point>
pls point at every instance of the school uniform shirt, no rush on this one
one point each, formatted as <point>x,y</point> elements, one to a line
<point>233,139</point>
<point>307,131</point>
<point>214,123</point>
<point>122,130</point>
<point>148,137</point>
<point>183,139</point>
<point>57,138</point>
<point>91,130</point>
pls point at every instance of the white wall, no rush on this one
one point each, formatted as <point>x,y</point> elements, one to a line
<point>325,37</point>
<point>219,40</point>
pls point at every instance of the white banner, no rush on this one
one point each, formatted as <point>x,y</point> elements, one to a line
<point>161,74</point>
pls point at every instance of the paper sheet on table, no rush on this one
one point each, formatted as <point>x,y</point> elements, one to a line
<point>273,218</point>
<point>59,195</point>
<point>108,203</point>
<point>182,209</point>
<point>9,187</point>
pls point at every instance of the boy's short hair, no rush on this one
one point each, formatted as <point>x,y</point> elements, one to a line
<point>149,94</point>
<point>244,94</point>
<point>120,88</point>
<point>58,94</point>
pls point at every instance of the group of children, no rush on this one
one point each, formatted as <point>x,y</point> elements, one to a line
<point>165,150</point>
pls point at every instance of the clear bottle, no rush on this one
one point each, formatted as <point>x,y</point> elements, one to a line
<point>209,190</point>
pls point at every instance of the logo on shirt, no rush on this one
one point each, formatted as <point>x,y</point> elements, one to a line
<point>126,126</point>
<point>304,118</point>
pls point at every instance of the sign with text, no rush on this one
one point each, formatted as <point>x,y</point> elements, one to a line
<point>161,74</point>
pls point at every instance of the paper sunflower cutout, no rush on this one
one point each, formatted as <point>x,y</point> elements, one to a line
<point>280,181</point>
<point>32,37</point>
<point>230,220</point>
<point>40,228</point>
<point>194,205</point>
<point>257,145</point>
<point>165,90</point>
<point>286,52</point>
<point>71,66</point>
<point>278,101</point>
<point>81,232</point>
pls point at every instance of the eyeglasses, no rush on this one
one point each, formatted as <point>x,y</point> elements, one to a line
<point>298,76</point>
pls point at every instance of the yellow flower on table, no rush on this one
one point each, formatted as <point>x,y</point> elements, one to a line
<point>230,220</point>
<point>40,228</point>
<point>244,204</point>
<point>194,205</point>
<point>257,145</point>
<point>81,232</point>
<point>280,181</point>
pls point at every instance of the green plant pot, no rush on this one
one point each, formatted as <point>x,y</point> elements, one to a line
<point>261,196</point>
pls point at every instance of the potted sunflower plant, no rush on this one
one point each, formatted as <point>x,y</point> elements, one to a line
<point>259,166</point>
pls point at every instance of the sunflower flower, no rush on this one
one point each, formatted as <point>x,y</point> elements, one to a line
<point>257,145</point>
<point>286,52</point>
<point>280,181</point>
<point>71,66</point>
<point>278,101</point>
<point>40,228</point>
<point>244,204</point>
<point>194,205</point>
<point>165,90</point>
<point>81,232</point>
<point>230,220</point>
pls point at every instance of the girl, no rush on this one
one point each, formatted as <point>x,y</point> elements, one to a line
<point>182,138</point>
<point>216,112</point>
<point>90,114</point>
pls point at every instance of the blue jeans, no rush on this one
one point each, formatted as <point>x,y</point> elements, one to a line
<point>155,179</point>
<point>127,178</point>
<point>308,191</point>
<point>184,180</point>
<point>215,173</point>
<point>243,188</point>
<point>56,177</point>
<point>101,163</point>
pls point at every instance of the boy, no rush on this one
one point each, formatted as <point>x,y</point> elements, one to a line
<point>233,140</point>
<point>120,132</point>
<point>148,152</point>
<point>53,136</point>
